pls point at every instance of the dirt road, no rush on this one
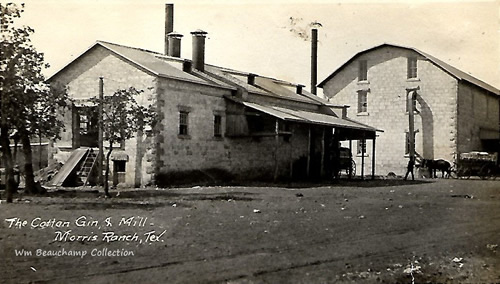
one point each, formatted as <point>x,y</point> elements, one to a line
<point>444,231</point>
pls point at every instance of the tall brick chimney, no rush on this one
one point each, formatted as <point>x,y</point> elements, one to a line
<point>169,23</point>
<point>199,49</point>
<point>174,44</point>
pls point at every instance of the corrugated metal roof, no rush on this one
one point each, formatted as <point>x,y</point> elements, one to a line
<point>271,111</point>
<point>263,85</point>
<point>226,74</point>
<point>149,60</point>
<point>276,90</point>
<point>316,98</point>
<point>212,79</point>
<point>161,65</point>
<point>308,117</point>
<point>171,67</point>
<point>460,75</point>
<point>152,62</point>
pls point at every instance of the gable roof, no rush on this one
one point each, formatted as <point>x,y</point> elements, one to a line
<point>458,74</point>
<point>158,64</point>
<point>151,62</point>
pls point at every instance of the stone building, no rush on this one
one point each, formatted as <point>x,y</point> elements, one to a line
<point>454,112</point>
<point>211,119</point>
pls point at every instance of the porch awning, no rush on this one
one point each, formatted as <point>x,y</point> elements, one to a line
<point>309,117</point>
<point>83,103</point>
<point>119,156</point>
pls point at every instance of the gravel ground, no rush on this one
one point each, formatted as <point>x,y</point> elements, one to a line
<point>383,231</point>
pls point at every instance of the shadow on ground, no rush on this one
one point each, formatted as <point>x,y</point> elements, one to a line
<point>339,183</point>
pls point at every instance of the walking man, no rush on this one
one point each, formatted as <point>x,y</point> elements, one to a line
<point>411,165</point>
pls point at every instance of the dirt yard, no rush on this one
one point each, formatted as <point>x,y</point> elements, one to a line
<point>444,231</point>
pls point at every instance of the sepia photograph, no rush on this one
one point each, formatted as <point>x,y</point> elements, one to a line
<point>237,142</point>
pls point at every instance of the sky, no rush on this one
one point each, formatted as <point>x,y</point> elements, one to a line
<point>260,36</point>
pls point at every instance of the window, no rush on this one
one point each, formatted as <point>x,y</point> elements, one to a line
<point>363,71</point>
<point>84,124</point>
<point>183,122</point>
<point>361,147</point>
<point>412,67</point>
<point>362,101</point>
<point>217,125</point>
<point>120,166</point>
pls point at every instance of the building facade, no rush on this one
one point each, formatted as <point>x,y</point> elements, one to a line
<point>453,111</point>
<point>210,119</point>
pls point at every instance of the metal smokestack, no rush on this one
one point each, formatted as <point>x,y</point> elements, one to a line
<point>169,23</point>
<point>174,44</point>
<point>314,60</point>
<point>199,49</point>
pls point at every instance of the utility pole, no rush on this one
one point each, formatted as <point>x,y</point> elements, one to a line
<point>410,99</point>
<point>100,157</point>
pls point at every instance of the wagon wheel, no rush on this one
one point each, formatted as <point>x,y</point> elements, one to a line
<point>352,167</point>
<point>453,173</point>
<point>485,172</point>
<point>464,172</point>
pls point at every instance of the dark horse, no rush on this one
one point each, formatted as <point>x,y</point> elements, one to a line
<point>433,165</point>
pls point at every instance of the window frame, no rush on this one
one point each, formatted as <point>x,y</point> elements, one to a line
<point>217,125</point>
<point>120,166</point>
<point>363,71</point>
<point>412,68</point>
<point>183,123</point>
<point>84,123</point>
<point>362,104</point>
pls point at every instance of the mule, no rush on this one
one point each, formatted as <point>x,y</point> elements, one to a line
<point>433,165</point>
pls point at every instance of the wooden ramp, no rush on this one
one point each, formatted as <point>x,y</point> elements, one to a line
<point>70,165</point>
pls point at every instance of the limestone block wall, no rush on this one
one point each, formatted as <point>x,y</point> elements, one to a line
<point>256,157</point>
<point>163,150</point>
<point>245,157</point>
<point>387,86</point>
<point>199,149</point>
<point>478,110</point>
<point>82,80</point>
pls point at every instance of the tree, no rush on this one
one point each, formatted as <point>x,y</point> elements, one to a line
<point>41,118</point>
<point>29,105</point>
<point>122,118</point>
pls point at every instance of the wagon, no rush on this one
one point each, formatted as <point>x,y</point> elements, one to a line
<point>482,164</point>
<point>346,163</point>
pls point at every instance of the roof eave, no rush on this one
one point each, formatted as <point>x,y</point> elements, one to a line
<point>429,57</point>
<point>195,82</point>
<point>140,66</point>
<point>71,61</point>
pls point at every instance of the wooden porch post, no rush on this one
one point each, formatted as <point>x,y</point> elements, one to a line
<point>308,153</point>
<point>350,151</point>
<point>363,146</point>
<point>322,171</point>
<point>291,153</point>
<point>373,159</point>
<point>276,137</point>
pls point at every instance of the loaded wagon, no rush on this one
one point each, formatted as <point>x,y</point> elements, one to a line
<point>481,164</point>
